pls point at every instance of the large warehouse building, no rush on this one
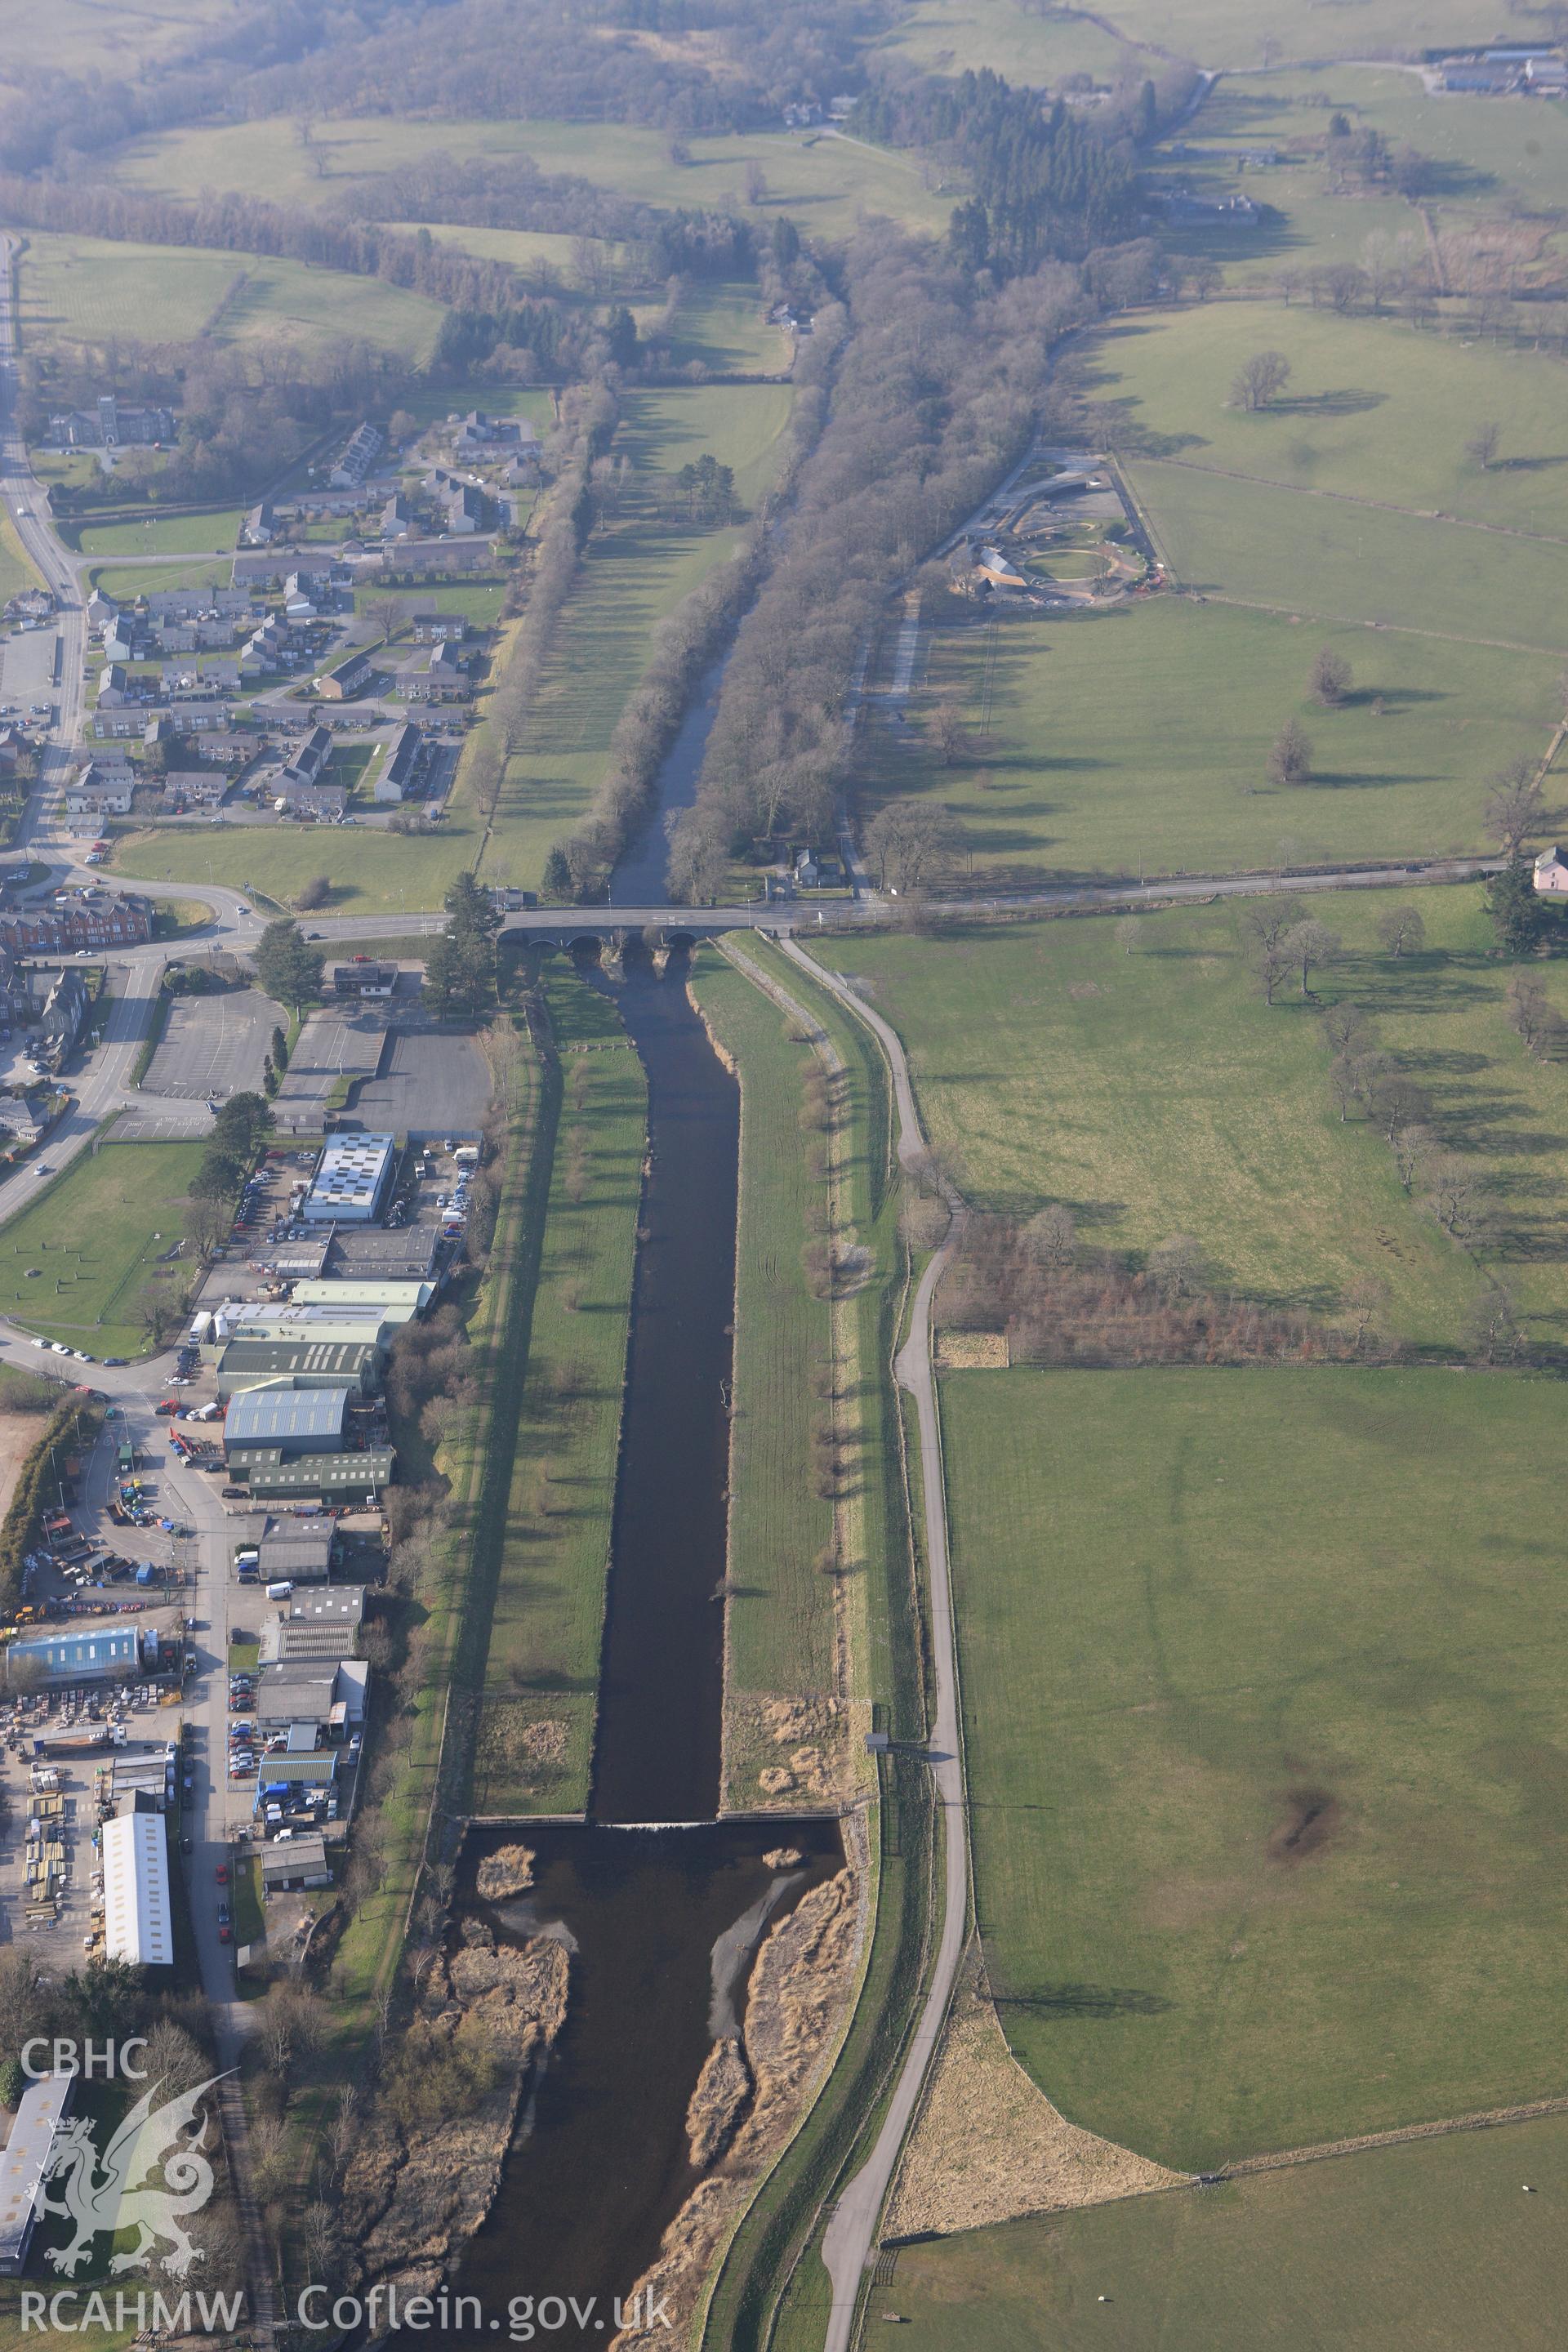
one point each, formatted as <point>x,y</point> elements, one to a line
<point>350,1183</point>
<point>86,1653</point>
<point>295,1421</point>
<point>44,2107</point>
<point>138,1923</point>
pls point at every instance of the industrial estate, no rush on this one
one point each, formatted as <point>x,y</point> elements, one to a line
<point>783,1265</point>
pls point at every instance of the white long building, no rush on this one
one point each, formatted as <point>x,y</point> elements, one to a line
<point>350,1181</point>
<point>138,1920</point>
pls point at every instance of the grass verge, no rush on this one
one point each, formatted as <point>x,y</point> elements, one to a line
<point>550,1545</point>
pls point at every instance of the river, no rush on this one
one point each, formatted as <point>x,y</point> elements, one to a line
<point>641,877</point>
<point>662,1904</point>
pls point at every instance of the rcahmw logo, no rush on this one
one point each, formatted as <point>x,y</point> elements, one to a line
<point>121,2190</point>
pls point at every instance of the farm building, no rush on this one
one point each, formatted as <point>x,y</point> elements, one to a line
<point>295,1863</point>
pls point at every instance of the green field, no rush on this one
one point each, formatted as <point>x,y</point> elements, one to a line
<point>1489,150</point>
<point>634,572</point>
<point>203,533</point>
<point>83,290</point>
<point>1423,2248</point>
<point>1373,410</point>
<point>1264,1681</point>
<point>96,1236</point>
<point>950,37</point>
<point>1157,1093</point>
<point>779,1621</point>
<point>125,584</point>
<point>825,182</point>
<point>525,248</point>
<point>372,871</point>
<point>1328,560</point>
<point>542,1661</point>
<point>16,572</point>
<point>1218,33</point>
<point>119,43</point>
<point>1136,740</point>
<point>725,328</point>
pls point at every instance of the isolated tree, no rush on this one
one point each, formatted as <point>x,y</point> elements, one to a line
<point>1365,1295</point>
<point>1402,931</point>
<point>1455,1196</point>
<point>1518,918</point>
<point>1481,447</point>
<point>1494,1331</point>
<point>1344,284</point>
<point>1260,380</point>
<point>1273,963</point>
<point>1530,1014</point>
<point>1397,1103</point>
<point>1051,1236</point>
<point>905,840</point>
<point>1265,920</point>
<point>287,966</point>
<point>1310,944</point>
<point>1346,1027</point>
<point>314,893</point>
<point>207,1223</point>
<point>1514,805</point>
<point>1330,679</point>
<point>1127,933</point>
<point>1291,757</point>
<point>1411,1148</point>
<point>948,733</point>
<point>1177,1266</point>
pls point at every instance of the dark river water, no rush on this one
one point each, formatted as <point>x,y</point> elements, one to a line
<point>661,1678</point>
<point>662,1904</point>
<point>640,880</point>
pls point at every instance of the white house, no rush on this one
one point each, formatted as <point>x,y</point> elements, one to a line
<point>1551,873</point>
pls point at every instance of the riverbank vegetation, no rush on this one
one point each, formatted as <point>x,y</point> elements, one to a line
<point>883,484</point>
<point>452,1394</point>
<point>769,2277</point>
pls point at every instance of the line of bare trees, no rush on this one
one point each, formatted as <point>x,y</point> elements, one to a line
<point>589,415</point>
<point>936,393</point>
<point>1059,1302</point>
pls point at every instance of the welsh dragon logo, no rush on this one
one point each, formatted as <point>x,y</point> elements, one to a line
<point>103,2196</point>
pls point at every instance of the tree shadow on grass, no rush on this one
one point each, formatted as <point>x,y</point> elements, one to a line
<point>1340,780</point>
<point>1393,697</point>
<point>1086,2000</point>
<point>1348,401</point>
<point>1524,465</point>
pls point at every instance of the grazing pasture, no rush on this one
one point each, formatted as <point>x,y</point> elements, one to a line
<point>1266,1717</point>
